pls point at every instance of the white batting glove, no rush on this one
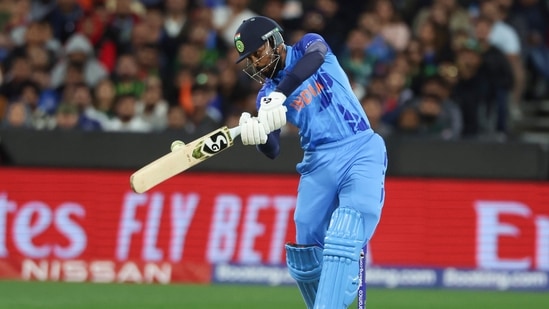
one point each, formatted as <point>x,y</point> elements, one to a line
<point>272,112</point>
<point>251,131</point>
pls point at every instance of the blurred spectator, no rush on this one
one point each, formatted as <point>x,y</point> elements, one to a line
<point>373,106</point>
<point>189,56</point>
<point>177,121</point>
<point>4,16</point>
<point>39,58</point>
<point>17,18</point>
<point>140,35</point>
<point>277,10</point>
<point>183,84</point>
<point>355,59</point>
<point>228,17</point>
<point>6,45</point>
<point>437,119</point>
<point>537,61</point>
<point>397,94</point>
<point>124,16</point>
<point>435,46</point>
<point>377,46</point>
<point>322,17</point>
<point>49,97</point>
<point>154,18</point>
<point>73,78</point>
<point>93,26</point>
<point>18,72</point>
<point>147,57</point>
<point>531,20</point>
<point>447,69</point>
<point>38,45</point>
<point>41,8</point>
<point>439,87</point>
<point>64,18</point>
<point>377,86</point>
<point>104,96</point>
<point>188,62</point>
<point>232,86</point>
<point>202,119</point>
<point>126,76</point>
<point>30,95</point>
<point>393,28</point>
<point>498,76</point>
<point>408,123</point>
<point>17,116</point>
<point>125,118</point>
<point>528,17</point>
<point>448,12</point>
<point>400,64</point>
<point>89,118</point>
<point>66,117</point>
<point>418,70</point>
<point>79,53</point>
<point>210,78</point>
<point>506,38</point>
<point>152,107</point>
<point>174,32</point>
<point>469,92</point>
<point>203,35</point>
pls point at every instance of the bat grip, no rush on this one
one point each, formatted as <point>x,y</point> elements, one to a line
<point>234,132</point>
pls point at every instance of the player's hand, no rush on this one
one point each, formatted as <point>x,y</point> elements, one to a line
<point>272,112</point>
<point>251,131</point>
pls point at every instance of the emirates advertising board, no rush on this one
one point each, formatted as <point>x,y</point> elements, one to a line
<point>87,225</point>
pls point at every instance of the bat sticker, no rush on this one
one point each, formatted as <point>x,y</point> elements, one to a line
<point>211,145</point>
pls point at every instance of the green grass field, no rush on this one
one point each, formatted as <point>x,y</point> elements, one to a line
<point>26,295</point>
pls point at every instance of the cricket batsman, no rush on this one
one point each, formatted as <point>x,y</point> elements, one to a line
<point>341,188</point>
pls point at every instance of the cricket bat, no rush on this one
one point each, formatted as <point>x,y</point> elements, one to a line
<point>183,158</point>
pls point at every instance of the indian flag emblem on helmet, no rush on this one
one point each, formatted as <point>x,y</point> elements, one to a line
<point>239,46</point>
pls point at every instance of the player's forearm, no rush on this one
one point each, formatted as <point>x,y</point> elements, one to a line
<point>303,69</point>
<point>272,148</point>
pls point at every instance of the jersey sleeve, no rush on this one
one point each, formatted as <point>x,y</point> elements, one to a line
<point>312,50</point>
<point>307,40</point>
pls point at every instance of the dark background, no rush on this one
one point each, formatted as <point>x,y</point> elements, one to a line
<point>408,157</point>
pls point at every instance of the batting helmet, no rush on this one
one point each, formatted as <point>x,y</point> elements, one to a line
<point>254,32</point>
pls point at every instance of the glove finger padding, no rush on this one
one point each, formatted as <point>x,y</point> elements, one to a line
<point>280,119</point>
<point>244,117</point>
<point>260,134</point>
<point>253,132</point>
<point>273,118</point>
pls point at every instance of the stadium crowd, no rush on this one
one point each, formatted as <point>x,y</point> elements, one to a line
<point>444,69</point>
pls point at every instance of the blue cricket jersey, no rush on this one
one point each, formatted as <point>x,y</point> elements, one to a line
<point>324,107</point>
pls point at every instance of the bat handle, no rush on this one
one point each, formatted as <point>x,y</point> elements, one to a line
<point>235,131</point>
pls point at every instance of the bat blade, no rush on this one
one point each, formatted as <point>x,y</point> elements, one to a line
<point>183,158</point>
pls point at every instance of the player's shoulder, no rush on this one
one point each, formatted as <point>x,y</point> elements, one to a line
<point>307,39</point>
